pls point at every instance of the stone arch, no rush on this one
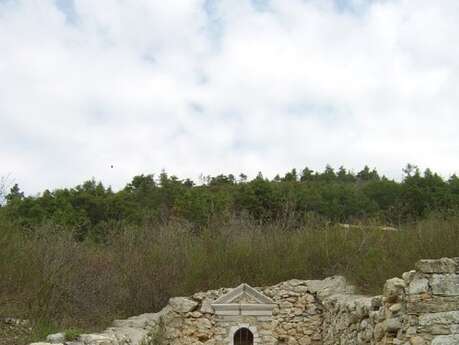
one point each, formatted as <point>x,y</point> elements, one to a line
<point>243,336</point>
<point>254,339</point>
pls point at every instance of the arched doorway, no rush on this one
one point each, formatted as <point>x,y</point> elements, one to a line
<point>243,336</point>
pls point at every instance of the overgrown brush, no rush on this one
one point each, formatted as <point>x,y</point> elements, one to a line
<point>47,275</point>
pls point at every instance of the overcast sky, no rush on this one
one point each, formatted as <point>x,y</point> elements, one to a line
<point>225,86</point>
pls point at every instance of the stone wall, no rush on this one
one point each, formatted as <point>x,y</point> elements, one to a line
<point>298,315</point>
<point>421,308</point>
<point>431,303</point>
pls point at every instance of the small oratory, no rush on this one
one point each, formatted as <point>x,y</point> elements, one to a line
<point>245,317</point>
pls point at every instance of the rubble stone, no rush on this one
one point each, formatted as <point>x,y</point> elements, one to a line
<point>420,309</point>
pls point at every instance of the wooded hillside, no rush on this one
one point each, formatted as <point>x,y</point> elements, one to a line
<point>83,256</point>
<point>91,208</point>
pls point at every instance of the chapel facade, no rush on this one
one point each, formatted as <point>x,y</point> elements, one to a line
<point>245,317</point>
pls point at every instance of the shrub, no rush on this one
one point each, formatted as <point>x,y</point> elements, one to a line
<point>47,275</point>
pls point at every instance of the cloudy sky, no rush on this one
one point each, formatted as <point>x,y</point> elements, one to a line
<point>225,86</point>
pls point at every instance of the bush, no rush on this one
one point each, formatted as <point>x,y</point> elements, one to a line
<point>47,275</point>
<point>72,334</point>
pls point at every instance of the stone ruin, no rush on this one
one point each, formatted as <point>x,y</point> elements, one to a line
<point>421,308</point>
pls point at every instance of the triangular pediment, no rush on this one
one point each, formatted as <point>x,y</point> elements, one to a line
<point>243,294</point>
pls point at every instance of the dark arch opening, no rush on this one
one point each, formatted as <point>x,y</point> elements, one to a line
<point>243,336</point>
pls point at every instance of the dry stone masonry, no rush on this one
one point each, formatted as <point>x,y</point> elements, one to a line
<point>421,308</point>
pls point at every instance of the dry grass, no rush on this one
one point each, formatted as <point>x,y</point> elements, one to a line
<point>46,275</point>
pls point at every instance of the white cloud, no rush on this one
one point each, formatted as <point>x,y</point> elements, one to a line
<point>217,87</point>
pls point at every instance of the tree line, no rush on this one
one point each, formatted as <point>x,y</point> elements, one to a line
<point>92,209</point>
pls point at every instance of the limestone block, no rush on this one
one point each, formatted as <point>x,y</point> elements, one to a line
<point>408,276</point>
<point>445,284</point>
<point>426,303</point>
<point>418,286</point>
<point>206,307</point>
<point>306,340</point>
<point>182,304</point>
<point>194,314</point>
<point>392,325</point>
<point>97,339</point>
<point>395,308</point>
<point>417,341</point>
<point>457,264</point>
<point>130,335</point>
<point>56,338</point>
<point>439,323</point>
<point>139,321</point>
<point>203,324</point>
<point>443,265</point>
<point>376,302</point>
<point>330,286</point>
<point>446,340</point>
<point>411,331</point>
<point>393,289</point>
<point>442,318</point>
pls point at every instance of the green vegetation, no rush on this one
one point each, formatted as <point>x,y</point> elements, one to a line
<point>84,256</point>
<point>92,210</point>
<point>72,334</point>
<point>48,275</point>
